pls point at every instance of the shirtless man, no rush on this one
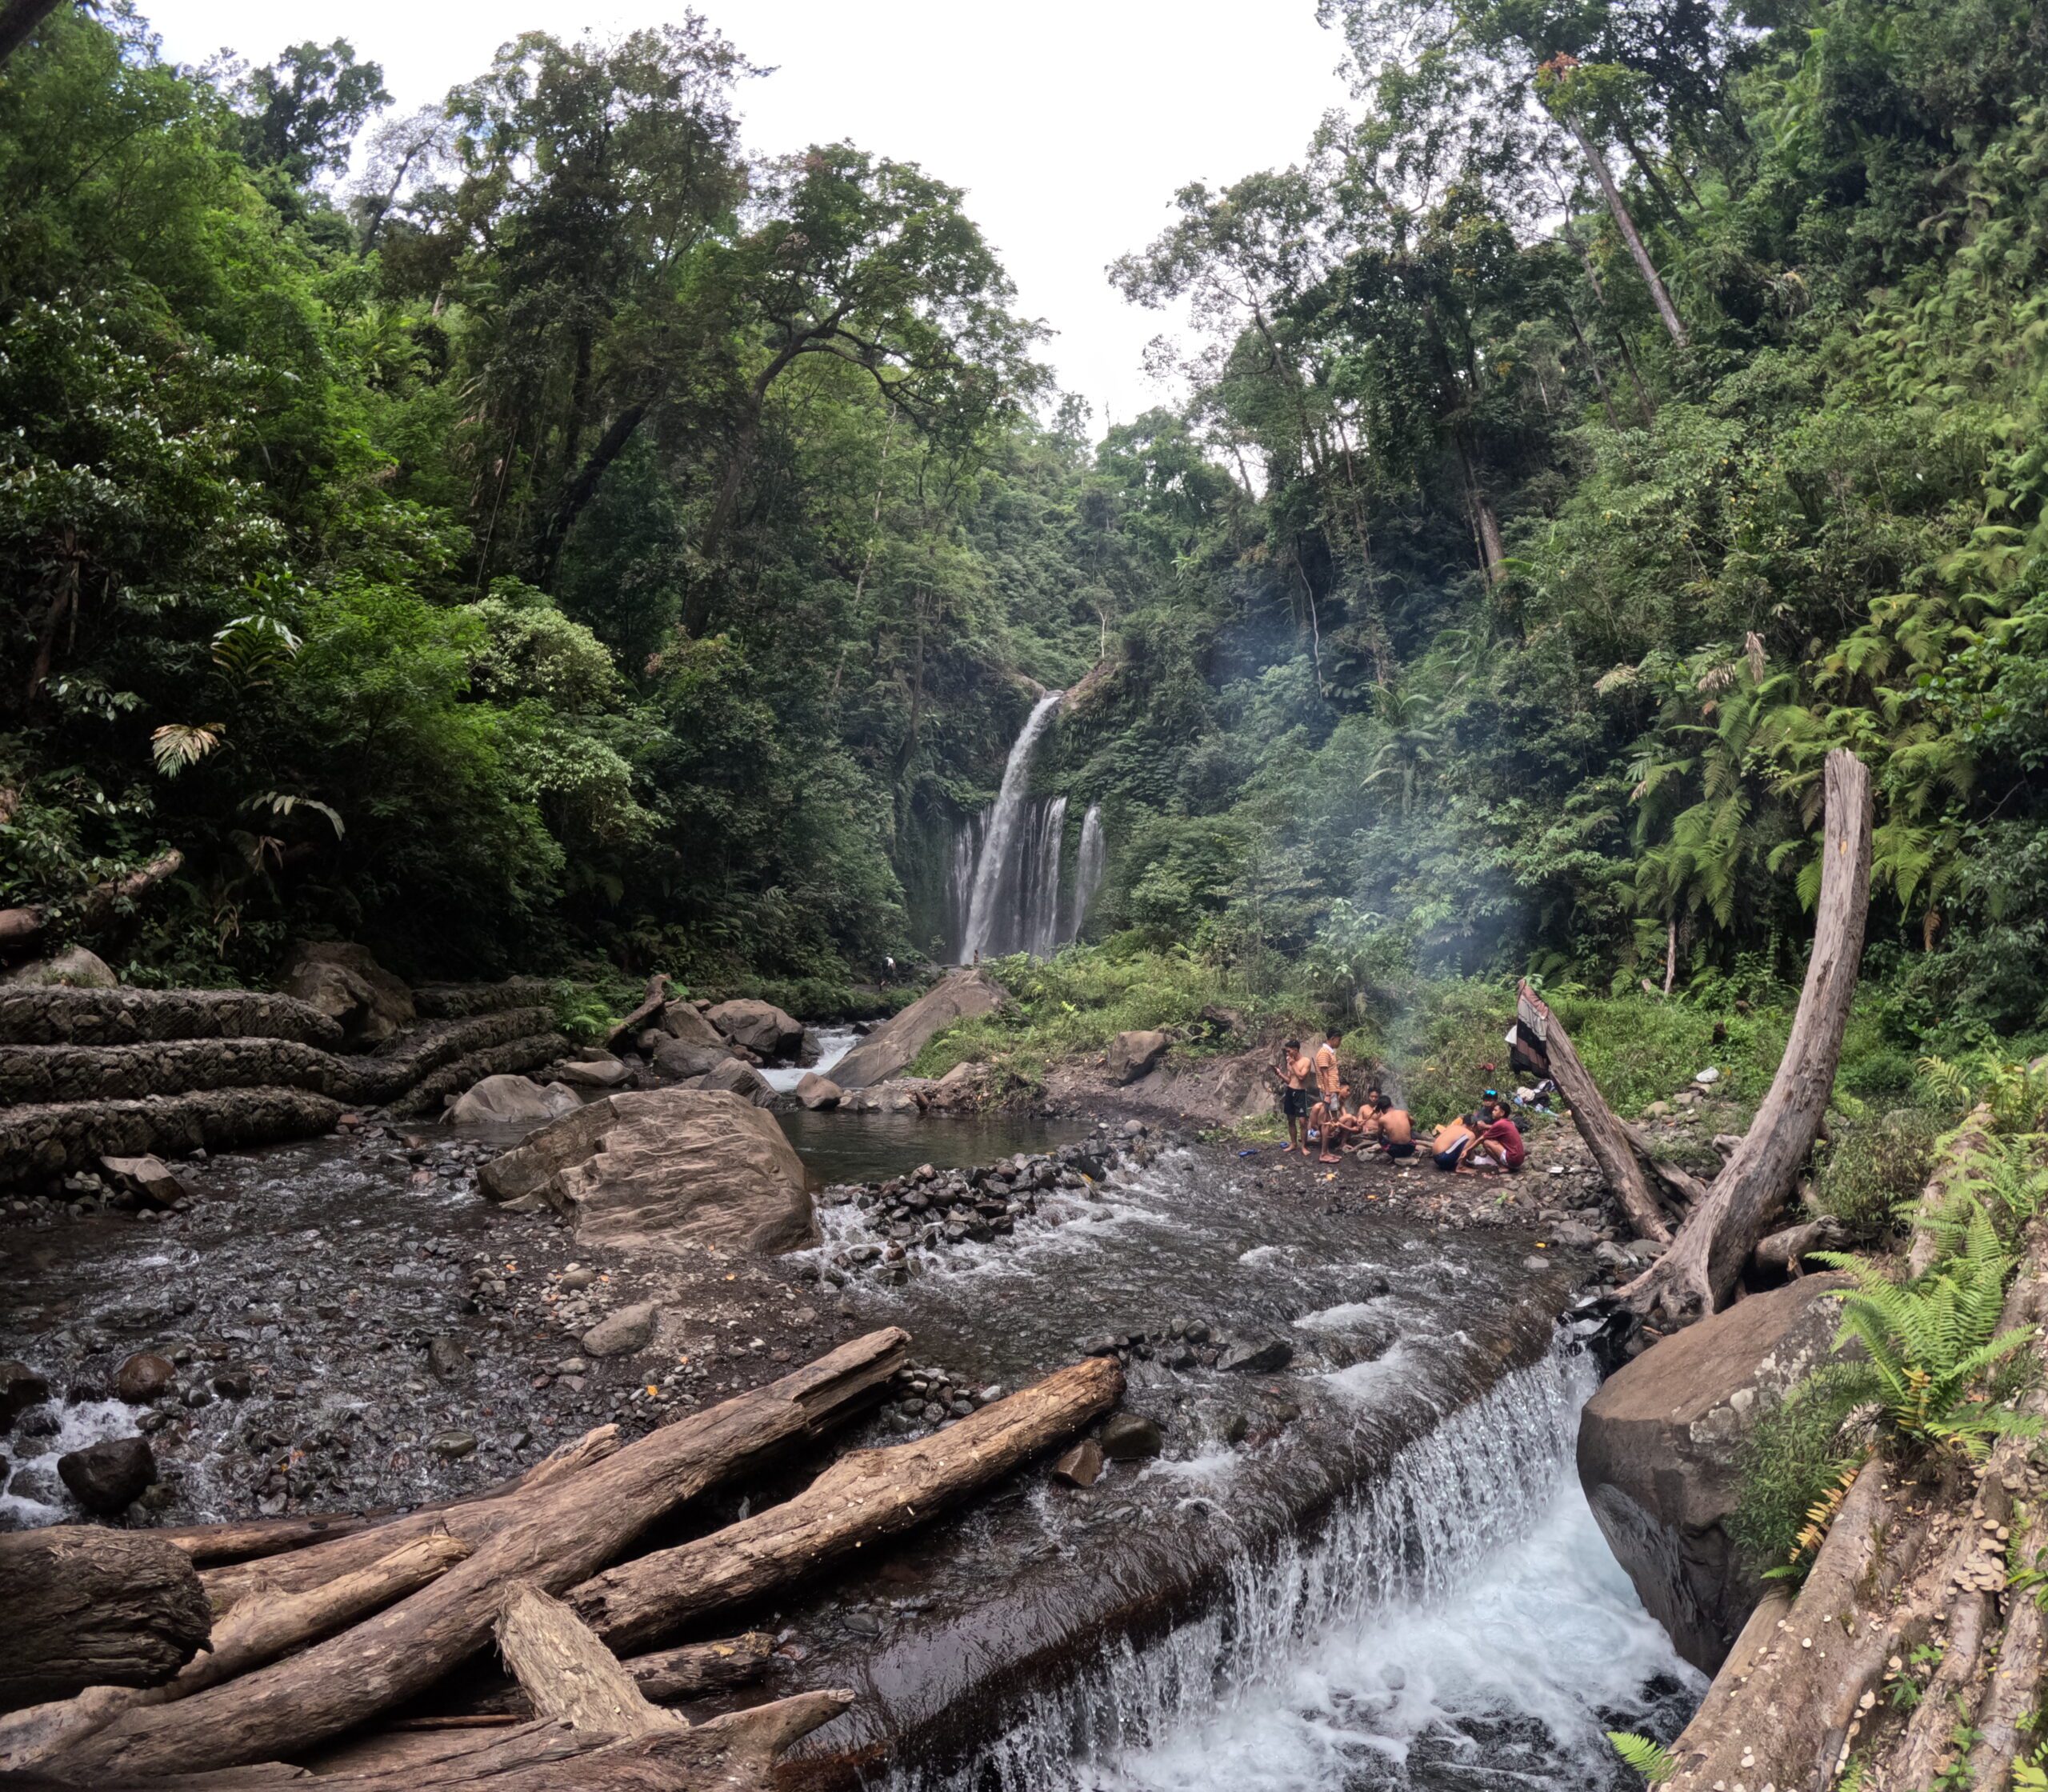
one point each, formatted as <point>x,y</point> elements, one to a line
<point>1327,1080</point>
<point>1397,1131</point>
<point>1292,1075</point>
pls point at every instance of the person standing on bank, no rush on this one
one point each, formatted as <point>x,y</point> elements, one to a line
<point>1327,1079</point>
<point>1292,1075</point>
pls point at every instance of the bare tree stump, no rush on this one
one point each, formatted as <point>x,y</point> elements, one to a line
<point>87,1607</point>
<point>861,1499</point>
<point>651,1004</point>
<point>1698,1274</point>
<point>557,1536</point>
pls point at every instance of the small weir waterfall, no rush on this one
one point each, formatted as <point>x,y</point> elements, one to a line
<point>1004,884</point>
<point>1458,1624</point>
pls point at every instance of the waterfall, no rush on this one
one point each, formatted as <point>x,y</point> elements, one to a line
<point>1040,917</point>
<point>1088,869</point>
<point>997,920</point>
<point>1463,1608</point>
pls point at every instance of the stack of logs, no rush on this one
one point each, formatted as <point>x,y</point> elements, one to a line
<point>334,1624</point>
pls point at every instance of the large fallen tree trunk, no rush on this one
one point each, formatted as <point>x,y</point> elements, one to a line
<point>88,1607</point>
<point>861,1499</point>
<point>689,1671</point>
<point>557,1537</point>
<point>473,1518</point>
<point>261,1629</point>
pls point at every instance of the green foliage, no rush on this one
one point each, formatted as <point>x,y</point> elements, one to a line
<point>1930,1343</point>
<point>1874,1169</point>
<point>1792,1458</point>
<point>2014,1096</point>
<point>1655,1762</point>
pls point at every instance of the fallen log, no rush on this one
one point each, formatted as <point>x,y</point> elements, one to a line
<point>472,1518</point>
<point>689,1671</point>
<point>567,1672</point>
<point>1697,1275</point>
<point>249,1539</point>
<point>1598,1124</point>
<point>261,1629</point>
<point>20,926</point>
<point>1784,1253</point>
<point>651,1004</point>
<point>1971,1139</point>
<point>861,1499</point>
<point>556,1536</point>
<point>87,1607</point>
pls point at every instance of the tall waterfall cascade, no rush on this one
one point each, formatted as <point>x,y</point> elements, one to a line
<point>1006,886</point>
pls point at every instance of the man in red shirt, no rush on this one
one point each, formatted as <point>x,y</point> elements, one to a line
<point>1499,1144</point>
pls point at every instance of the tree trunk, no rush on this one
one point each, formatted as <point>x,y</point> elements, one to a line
<point>861,1499</point>
<point>688,1671</point>
<point>250,1539</point>
<point>90,1607</point>
<point>1626,224</point>
<point>1784,1253</point>
<point>18,19</point>
<point>18,926</point>
<point>557,1536</point>
<point>580,491</point>
<point>1970,1139</point>
<point>651,1004</point>
<point>473,1518</point>
<point>1699,1272</point>
<point>261,1629</point>
<point>567,1674</point>
<point>732,1753</point>
<point>1596,1121</point>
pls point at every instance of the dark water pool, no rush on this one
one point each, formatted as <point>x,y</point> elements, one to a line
<point>871,1147</point>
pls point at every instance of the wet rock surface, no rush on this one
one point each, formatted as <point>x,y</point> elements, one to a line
<point>297,1301</point>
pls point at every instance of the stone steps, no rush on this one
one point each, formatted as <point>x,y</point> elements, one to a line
<point>87,1073</point>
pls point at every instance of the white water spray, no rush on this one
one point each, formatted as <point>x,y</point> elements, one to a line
<point>1458,1623</point>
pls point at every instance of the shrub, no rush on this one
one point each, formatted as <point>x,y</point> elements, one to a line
<point>1788,1464</point>
<point>1874,1167</point>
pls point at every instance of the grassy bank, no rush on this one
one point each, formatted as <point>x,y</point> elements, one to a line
<point>1439,1041</point>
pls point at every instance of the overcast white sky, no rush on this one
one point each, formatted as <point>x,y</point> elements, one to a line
<point>1070,123</point>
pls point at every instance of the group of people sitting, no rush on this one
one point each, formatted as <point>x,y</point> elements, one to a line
<point>1322,1115</point>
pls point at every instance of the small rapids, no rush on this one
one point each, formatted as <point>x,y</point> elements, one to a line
<point>1457,1624</point>
<point>834,1043</point>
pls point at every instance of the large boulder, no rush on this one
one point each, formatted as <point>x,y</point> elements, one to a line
<point>1657,1454</point>
<point>343,981</point>
<point>760,1027</point>
<point>1132,1054</point>
<point>679,1060</point>
<point>681,1020</point>
<point>74,968</point>
<point>512,1101</point>
<point>107,1478</point>
<point>671,1167</point>
<point>893,1047</point>
<point>737,1077</point>
<point>819,1094</point>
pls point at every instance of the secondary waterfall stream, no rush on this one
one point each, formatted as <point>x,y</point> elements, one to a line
<point>1003,907</point>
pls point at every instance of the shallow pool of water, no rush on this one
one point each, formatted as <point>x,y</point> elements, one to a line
<point>873,1147</point>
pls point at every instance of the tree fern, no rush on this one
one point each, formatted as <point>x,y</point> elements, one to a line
<point>1929,1344</point>
<point>1655,1762</point>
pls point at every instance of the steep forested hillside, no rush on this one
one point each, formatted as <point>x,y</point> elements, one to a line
<point>569,539</point>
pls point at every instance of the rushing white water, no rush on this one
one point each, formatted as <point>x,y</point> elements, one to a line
<point>834,1043</point>
<point>1041,902</point>
<point>995,877</point>
<point>35,1495</point>
<point>1458,1624</point>
<point>1088,869</point>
